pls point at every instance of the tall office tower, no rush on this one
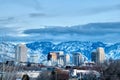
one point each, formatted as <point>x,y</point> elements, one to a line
<point>93,56</point>
<point>60,58</point>
<point>77,59</point>
<point>100,56</point>
<point>66,59</point>
<point>21,53</point>
<point>49,56</point>
<point>56,57</point>
<point>52,56</point>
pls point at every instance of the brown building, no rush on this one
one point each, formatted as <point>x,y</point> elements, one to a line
<point>56,57</point>
<point>52,56</point>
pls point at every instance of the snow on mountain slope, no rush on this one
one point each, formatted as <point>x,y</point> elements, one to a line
<point>43,48</point>
<point>7,51</point>
<point>76,46</point>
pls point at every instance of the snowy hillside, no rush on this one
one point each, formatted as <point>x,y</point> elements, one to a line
<point>7,50</point>
<point>112,50</point>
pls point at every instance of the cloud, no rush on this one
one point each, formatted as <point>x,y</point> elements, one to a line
<point>87,10</point>
<point>89,32</point>
<point>106,8</point>
<point>35,15</point>
<point>4,20</point>
<point>6,30</point>
<point>108,32</point>
<point>11,32</point>
<point>98,9</point>
<point>5,33</point>
<point>89,29</point>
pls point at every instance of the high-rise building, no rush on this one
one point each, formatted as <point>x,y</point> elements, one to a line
<point>21,53</point>
<point>52,56</point>
<point>100,56</point>
<point>49,56</point>
<point>66,59</point>
<point>60,58</point>
<point>77,59</point>
<point>93,56</point>
<point>56,57</point>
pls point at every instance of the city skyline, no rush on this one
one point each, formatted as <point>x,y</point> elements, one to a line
<point>59,39</point>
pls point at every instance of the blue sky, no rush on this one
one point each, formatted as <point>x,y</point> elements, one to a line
<point>19,16</point>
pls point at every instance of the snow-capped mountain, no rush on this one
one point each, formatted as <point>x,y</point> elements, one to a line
<point>43,48</point>
<point>86,48</point>
<point>7,51</point>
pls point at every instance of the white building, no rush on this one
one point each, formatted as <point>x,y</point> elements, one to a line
<point>82,73</point>
<point>100,56</point>
<point>77,59</point>
<point>66,59</point>
<point>21,53</point>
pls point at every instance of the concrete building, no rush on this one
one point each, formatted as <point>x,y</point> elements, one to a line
<point>85,74</point>
<point>52,56</point>
<point>56,57</point>
<point>94,56</point>
<point>60,58</point>
<point>66,59</point>
<point>21,53</point>
<point>88,64</point>
<point>77,59</point>
<point>100,56</point>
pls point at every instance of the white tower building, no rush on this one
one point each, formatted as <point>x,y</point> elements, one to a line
<point>100,56</point>
<point>67,59</point>
<point>21,53</point>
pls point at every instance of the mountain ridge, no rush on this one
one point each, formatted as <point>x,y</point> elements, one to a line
<point>85,47</point>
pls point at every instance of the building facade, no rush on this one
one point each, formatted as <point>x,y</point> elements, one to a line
<point>77,59</point>
<point>52,56</point>
<point>100,57</point>
<point>56,57</point>
<point>93,56</point>
<point>66,59</point>
<point>21,53</point>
